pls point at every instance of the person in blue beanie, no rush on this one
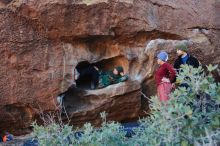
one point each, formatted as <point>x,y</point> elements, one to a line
<point>165,76</point>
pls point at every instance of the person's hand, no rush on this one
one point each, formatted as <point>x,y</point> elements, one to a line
<point>96,68</point>
<point>165,80</point>
<point>76,74</point>
<point>122,74</point>
<point>173,86</point>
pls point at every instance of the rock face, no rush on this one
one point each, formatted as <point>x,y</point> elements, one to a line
<point>42,41</point>
<point>120,101</point>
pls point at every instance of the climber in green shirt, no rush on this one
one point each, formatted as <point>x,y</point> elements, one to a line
<point>101,79</point>
<point>112,77</point>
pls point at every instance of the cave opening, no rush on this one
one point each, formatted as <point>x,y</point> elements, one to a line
<point>103,65</point>
<point>71,99</point>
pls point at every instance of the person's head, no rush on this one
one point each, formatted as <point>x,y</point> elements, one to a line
<point>162,57</point>
<point>118,70</point>
<point>181,49</point>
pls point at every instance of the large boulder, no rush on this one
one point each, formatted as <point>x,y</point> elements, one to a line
<point>42,41</point>
<point>121,102</point>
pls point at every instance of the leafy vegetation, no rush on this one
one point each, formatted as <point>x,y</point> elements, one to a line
<point>190,117</point>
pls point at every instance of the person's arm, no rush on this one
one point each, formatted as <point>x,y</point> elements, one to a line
<point>165,80</point>
<point>196,62</point>
<point>122,74</point>
<point>172,72</point>
<point>96,68</point>
<point>177,64</point>
<point>123,78</point>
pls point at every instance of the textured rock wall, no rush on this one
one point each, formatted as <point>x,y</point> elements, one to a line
<point>42,41</point>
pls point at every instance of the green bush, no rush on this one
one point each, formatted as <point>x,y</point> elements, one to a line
<point>190,117</point>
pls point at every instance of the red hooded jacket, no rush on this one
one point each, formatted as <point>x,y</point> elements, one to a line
<point>165,70</point>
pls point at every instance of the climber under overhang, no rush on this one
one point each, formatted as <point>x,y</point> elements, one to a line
<point>98,78</point>
<point>92,76</point>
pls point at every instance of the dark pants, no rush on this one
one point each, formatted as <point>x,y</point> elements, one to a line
<point>90,72</point>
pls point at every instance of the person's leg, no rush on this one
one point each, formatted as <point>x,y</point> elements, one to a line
<point>94,78</point>
<point>163,91</point>
<point>168,88</point>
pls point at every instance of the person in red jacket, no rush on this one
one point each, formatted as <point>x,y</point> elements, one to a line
<point>165,76</point>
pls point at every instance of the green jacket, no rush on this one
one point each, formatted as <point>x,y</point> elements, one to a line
<point>108,78</point>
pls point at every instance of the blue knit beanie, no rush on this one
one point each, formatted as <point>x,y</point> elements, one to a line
<point>163,56</point>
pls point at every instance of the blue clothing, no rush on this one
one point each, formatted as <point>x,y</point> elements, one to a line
<point>9,137</point>
<point>163,56</point>
<point>184,59</point>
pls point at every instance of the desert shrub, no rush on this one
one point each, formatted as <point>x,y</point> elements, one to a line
<point>190,117</point>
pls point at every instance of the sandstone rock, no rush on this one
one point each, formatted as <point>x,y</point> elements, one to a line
<point>121,102</point>
<point>42,41</point>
